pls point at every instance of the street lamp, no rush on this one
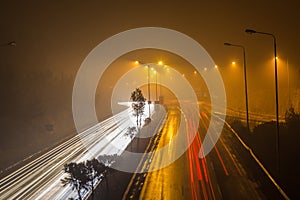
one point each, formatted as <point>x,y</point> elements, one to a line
<point>245,78</point>
<point>148,77</point>
<point>250,31</point>
<point>155,72</point>
<point>12,43</point>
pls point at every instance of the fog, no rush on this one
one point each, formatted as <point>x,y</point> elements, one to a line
<point>53,39</point>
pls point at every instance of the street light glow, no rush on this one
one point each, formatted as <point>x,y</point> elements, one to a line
<point>245,77</point>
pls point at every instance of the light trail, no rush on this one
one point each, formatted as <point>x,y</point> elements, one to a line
<point>215,148</point>
<point>40,179</point>
<point>192,180</point>
<point>222,174</point>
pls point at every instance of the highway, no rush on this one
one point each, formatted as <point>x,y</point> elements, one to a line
<point>227,172</point>
<point>183,178</point>
<point>40,179</point>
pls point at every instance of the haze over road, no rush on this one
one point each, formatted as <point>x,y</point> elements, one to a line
<point>40,179</point>
<point>228,172</point>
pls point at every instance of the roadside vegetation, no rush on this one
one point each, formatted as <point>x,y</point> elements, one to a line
<point>138,105</point>
<point>262,140</point>
<point>83,176</point>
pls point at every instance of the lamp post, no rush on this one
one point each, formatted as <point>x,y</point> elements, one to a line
<point>12,43</point>
<point>245,79</point>
<point>148,77</point>
<point>149,101</point>
<point>155,72</point>
<point>250,31</point>
<point>160,63</point>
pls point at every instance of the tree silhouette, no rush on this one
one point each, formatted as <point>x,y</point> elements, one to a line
<point>138,104</point>
<point>95,169</point>
<point>131,132</point>
<point>292,118</point>
<point>83,175</point>
<point>108,161</point>
<point>77,177</point>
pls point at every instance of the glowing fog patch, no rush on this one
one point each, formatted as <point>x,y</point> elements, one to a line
<point>91,70</point>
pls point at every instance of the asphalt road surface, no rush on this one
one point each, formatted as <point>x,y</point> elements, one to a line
<point>228,172</point>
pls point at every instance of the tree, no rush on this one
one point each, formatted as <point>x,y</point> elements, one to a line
<point>138,104</point>
<point>108,161</point>
<point>83,175</point>
<point>95,170</point>
<point>131,132</point>
<point>292,118</point>
<point>77,177</point>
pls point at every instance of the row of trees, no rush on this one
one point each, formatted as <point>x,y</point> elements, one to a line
<point>84,175</point>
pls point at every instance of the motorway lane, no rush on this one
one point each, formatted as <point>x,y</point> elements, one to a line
<point>227,172</point>
<point>238,174</point>
<point>162,184</point>
<point>40,178</point>
<point>187,177</point>
<point>235,179</point>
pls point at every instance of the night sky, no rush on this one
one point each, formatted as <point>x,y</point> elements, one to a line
<point>54,38</point>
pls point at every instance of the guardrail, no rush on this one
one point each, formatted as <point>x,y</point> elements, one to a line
<point>284,195</point>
